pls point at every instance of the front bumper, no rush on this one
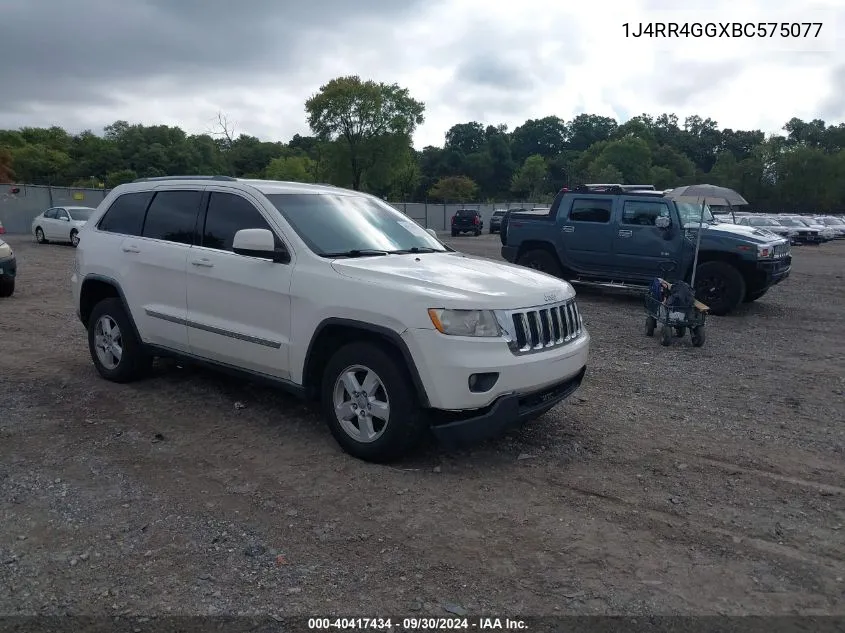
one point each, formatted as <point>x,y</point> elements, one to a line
<point>506,413</point>
<point>775,271</point>
<point>445,364</point>
<point>8,267</point>
<point>509,253</point>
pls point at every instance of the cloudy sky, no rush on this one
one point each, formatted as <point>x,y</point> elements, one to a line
<point>86,63</point>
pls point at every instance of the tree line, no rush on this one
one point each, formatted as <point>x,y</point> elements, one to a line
<point>362,138</point>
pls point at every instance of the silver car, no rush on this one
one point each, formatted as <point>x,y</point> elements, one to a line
<point>60,224</point>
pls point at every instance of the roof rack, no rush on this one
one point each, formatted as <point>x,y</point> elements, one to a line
<point>158,178</point>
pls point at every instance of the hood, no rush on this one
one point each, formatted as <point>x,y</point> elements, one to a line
<point>750,233</point>
<point>458,280</point>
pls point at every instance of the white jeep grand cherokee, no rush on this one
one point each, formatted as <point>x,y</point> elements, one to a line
<point>331,294</point>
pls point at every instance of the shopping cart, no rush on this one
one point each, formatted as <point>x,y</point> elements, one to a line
<point>674,318</point>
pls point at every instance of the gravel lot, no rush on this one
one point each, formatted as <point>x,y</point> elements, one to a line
<point>678,480</point>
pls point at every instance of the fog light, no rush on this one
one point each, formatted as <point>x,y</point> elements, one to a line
<point>479,383</point>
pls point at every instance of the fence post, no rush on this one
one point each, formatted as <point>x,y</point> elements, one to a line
<point>426,215</point>
<point>50,194</point>
<point>445,224</point>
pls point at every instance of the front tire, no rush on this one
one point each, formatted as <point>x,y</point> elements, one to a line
<point>117,353</point>
<point>370,405</point>
<point>7,287</point>
<point>541,260</point>
<point>39,236</point>
<point>750,297</point>
<point>720,286</point>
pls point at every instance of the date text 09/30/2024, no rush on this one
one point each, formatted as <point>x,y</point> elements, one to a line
<point>418,624</point>
<point>792,30</point>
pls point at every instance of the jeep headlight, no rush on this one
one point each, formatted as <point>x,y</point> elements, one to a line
<point>465,322</point>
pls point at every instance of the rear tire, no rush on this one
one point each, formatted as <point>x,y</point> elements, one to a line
<point>7,287</point>
<point>74,238</point>
<point>118,354</point>
<point>541,260</point>
<point>39,236</point>
<point>389,388</point>
<point>720,286</point>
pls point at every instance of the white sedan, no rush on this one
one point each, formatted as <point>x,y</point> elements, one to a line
<point>60,224</point>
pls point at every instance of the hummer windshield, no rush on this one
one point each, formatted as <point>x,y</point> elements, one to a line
<point>690,213</point>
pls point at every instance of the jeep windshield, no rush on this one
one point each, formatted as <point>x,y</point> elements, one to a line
<point>337,225</point>
<point>690,213</point>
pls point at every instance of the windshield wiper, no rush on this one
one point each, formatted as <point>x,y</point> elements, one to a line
<point>417,249</point>
<point>356,252</point>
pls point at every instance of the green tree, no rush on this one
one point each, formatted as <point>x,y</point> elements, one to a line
<point>120,177</point>
<point>40,164</point>
<point>360,112</point>
<point>454,189</point>
<point>7,174</point>
<point>466,137</point>
<point>631,156</point>
<point>291,168</point>
<point>606,173</point>
<point>545,137</point>
<point>529,181</point>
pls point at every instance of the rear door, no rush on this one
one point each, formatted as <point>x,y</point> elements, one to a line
<point>639,245</point>
<point>587,234</point>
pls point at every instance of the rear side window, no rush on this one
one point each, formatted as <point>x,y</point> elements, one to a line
<point>172,216</point>
<point>126,214</point>
<point>227,214</point>
<point>588,210</point>
<point>643,212</point>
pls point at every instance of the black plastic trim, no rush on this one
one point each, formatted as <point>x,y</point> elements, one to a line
<point>391,335</point>
<point>116,286</point>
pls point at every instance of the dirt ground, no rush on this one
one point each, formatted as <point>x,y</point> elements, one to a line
<point>676,481</point>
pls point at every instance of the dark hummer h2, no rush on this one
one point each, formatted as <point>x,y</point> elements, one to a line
<point>621,239</point>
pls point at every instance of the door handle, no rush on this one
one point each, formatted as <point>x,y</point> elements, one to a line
<point>131,248</point>
<point>625,233</point>
<point>204,262</point>
<point>569,229</point>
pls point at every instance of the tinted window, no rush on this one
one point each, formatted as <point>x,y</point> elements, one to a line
<point>81,214</point>
<point>585,210</point>
<point>332,223</point>
<point>643,212</point>
<point>126,214</point>
<point>228,214</point>
<point>50,213</point>
<point>172,216</point>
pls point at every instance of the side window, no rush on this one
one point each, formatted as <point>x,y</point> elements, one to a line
<point>227,214</point>
<point>126,214</point>
<point>50,214</point>
<point>172,216</point>
<point>587,210</point>
<point>61,214</point>
<point>643,212</point>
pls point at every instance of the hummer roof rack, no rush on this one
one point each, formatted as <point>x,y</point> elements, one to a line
<point>157,178</point>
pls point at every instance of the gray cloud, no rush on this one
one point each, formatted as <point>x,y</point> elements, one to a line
<point>495,71</point>
<point>833,107</point>
<point>685,83</point>
<point>58,51</point>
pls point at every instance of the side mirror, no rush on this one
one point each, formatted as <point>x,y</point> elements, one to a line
<point>433,234</point>
<point>663,222</point>
<point>259,243</point>
<point>64,218</point>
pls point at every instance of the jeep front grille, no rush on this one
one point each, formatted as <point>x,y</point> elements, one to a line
<point>544,327</point>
